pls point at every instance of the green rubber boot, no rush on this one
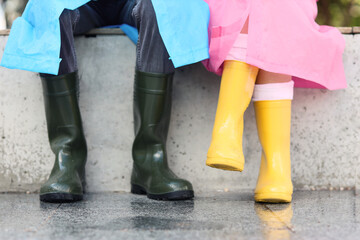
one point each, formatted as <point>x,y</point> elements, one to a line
<point>66,137</point>
<point>152,107</point>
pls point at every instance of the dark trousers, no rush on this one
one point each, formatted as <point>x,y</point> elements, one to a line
<point>151,54</point>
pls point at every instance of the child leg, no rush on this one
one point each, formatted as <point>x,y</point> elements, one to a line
<point>272,102</point>
<point>237,85</point>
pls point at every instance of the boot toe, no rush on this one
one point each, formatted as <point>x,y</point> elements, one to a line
<point>225,163</point>
<point>61,191</point>
<point>73,188</point>
<point>176,189</point>
<point>273,194</point>
<point>226,157</point>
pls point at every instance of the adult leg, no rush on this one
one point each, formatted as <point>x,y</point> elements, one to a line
<point>152,108</point>
<point>67,179</point>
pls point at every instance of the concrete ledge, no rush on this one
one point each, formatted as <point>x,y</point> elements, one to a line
<point>96,31</point>
<point>325,125</point>
<point>349,30</point>
<point>118,31</point>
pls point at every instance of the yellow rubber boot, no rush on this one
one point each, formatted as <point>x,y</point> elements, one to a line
<point>273,119</point>
<point>237,86</point>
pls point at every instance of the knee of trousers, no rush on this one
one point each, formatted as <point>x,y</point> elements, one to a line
<point>67,19</point>
<point>145,13</point>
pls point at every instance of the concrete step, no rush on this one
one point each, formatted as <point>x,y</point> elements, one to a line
<point>325,125</point>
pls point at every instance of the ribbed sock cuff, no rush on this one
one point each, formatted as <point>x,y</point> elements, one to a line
<point>273,91</point>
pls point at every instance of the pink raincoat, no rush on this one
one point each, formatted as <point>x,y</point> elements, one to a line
<point>283,38</point>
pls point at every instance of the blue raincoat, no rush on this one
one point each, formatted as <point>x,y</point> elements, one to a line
<point>183,26</point>
<point>34,42</point>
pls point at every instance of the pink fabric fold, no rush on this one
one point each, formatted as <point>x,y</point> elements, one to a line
<point>283,38</point>
<point>238,50</point>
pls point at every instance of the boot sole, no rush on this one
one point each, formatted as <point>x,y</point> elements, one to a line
<point>273,197</point>
<point>172,196</point>
<point>60,197</point>
<point>225,164</point>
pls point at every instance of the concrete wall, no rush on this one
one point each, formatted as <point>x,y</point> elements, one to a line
<point>325,125</point>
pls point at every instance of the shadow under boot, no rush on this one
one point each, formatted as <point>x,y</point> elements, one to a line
<point>67,179</point>
<point>151,174</point>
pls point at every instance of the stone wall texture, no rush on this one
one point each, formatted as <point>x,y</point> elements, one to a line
<point>325,146</point>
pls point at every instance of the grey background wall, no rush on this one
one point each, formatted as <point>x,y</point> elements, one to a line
<point>325,125</point>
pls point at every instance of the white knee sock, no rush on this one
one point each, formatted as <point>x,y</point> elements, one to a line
<point>273,91</point>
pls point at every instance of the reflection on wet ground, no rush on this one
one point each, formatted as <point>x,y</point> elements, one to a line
<point>312,215</point>
<point>276,224</point>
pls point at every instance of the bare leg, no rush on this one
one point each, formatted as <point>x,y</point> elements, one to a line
<point>265,77</point>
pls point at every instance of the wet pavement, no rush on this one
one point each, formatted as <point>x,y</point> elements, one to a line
<point>311,215</point>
